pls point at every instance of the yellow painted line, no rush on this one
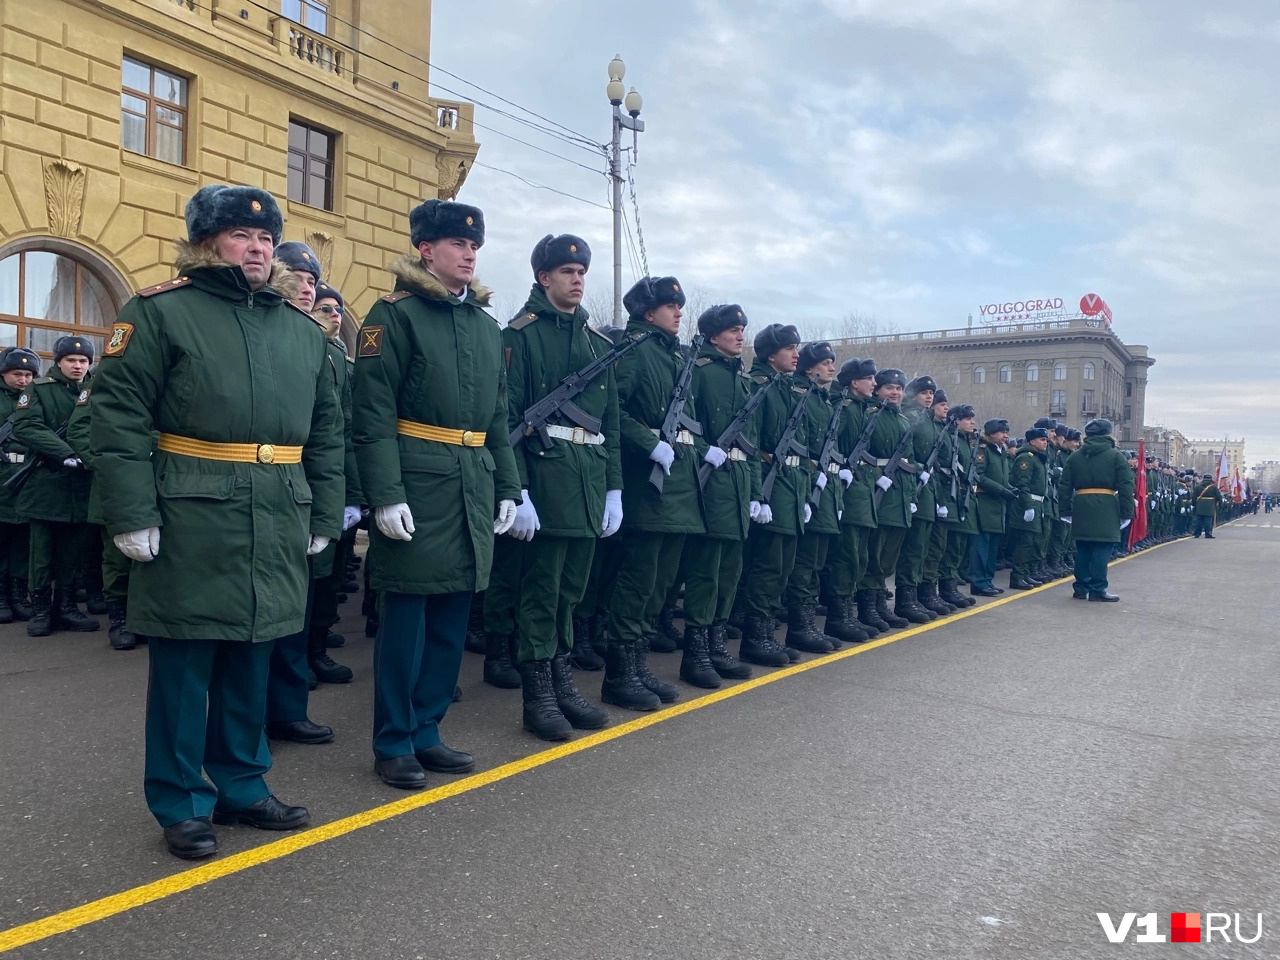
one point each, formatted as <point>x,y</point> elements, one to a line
<point>117,903</point>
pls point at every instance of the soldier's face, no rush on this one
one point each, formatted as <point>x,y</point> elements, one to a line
<point>564,285</point>
<point>968,424</point>
<point>1039,443</point>
<point>452,259</point>
<point>666,318</point>
<point>17,379</point>
<point>786,359</point>
<point>823,372</point>
<point>863,388</point>
<point>890,393</point>
<point>306,298</point>
<point>940,410</point>
<point>329,313</point>
<point>925,398</point>
<point>729,342</point>
<point>1000,436</point>
<point>251,248</point>
<point>74,366</point>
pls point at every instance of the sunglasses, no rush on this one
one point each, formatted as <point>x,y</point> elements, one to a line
<point>328,308</point>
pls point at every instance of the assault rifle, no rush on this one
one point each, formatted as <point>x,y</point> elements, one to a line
<point>6,433</point>
<point>733,435</point>
<point>932,461</point>
<point>858,455</point>
<point>895,466</point>
<point>787,446</point>
<point>829,454</point>
<point>676,419</point>
<point>971,479</point>
<point>23,473</point>
<point>560,400</point>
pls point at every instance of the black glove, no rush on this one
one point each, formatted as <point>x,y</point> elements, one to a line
<point>1010,494</point>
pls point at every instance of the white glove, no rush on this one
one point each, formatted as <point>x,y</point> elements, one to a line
<point>1066,520</point>
<point>942,512</point>
<point>395,521</point>
<point>526,523</point>
<point>140,545</point>
<point>924,477</point>
<point>808,513</point>
<point>317,545</point>
<point>845,475</point>
<point>765,515</point>
<point>1182,509</point>
<point>715,456</point>
<point>613,511</point>
<point>506,517</point>
<point>350,517</point>
<point>821,481</point>
<point>72,462</point>
<point>753,509</point>
<point>663,456</point>
<point>884,483</point>
<point>1028,515</point>
<point>1123,524</point>
<point>913,507</point>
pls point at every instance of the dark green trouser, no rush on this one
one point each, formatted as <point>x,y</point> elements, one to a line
<point>56,552</point>
<point>503,595</point>
<point>712,568</point>
<point>610,552</point>
<point>770,559</point>
<point>811,556</point>
<point>933,555</point>
<point>206,704</point>
<point>915,545</point>
<point>882,556</point>
<point>556,570</point>
<point>1025,543</point>
<point>1058,538</point>
<point>955,559</point>
<point>1041,544</point>
<point>652,564</point>
<point>848,559</point>
<point>115,570</point>
<point>324,609</point>
<point>15,550</point>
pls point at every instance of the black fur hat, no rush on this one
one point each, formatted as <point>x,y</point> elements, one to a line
<point>855,369</point>
<point>1098,427</point>
<point>649,293</point>
<point>939,396</point>
<point>551,252</point>
<point>325,290</point>
<point>613,333</point>
<point>813,353</point>
<point>1074,435</point>
<point>921,384</point>
<point>72,346</point>
<point>1048,423</point>
<point>296,255</point>
<point>436,219</point>
<point>773,338</point>
<point>961,411</point>
<point>890,375</point>
<point>1037,433</point>
<point>1063,431</point>
<point>217,207</point>
<point>20,358</point>
<point>995,425</point>
<point>720,318</point>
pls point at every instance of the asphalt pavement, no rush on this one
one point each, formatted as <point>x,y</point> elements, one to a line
<point>982,787</point>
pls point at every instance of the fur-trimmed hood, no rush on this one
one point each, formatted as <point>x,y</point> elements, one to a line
<point>200,256</point>
<point>412,272</point>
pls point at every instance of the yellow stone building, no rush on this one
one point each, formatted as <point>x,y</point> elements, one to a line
<point>113,112</point>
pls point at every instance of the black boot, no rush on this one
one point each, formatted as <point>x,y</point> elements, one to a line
<point>799,635</point>
<point>542,717</point>
<point>583,654</point>
<point>1021,583</point>
<point>666,638</point>
<point>666,692</point>
<point>6,612</point>
<point>947,591</point>
<point>41,622</point>
<point>840,622</point>
<point>475,625</point>
<point>598,627</point>
<point>885,614</point>
<point>905,605</point>
<point>928,597</point>
<point>621,686</point>
<point>722,661</point>
<point>810,614</point>
<point>19,602</point>
<point>498,670</point>
<point>695,665</point>
<point>572,704</point>
<point>67,616</point>
<point>95,602</point>
<point>121,637</point>
<point>758,645</point>
<point>328,670</point>
<point>869,613</point>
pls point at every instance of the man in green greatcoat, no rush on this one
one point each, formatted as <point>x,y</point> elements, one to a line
<point>1206,497</point>
<point>430,429</point>
<point>1095,496</point>
<point>1029,475</point>
<point>656,522</point>
<point>570,480</point>
<point>855,617</point>
<point>961,519</point>
<point>55,500</point>
<point>917,407</point>
<point>989,499</point>
<point>18,367</point>
<point>942,509</point>
<point>218,452</point>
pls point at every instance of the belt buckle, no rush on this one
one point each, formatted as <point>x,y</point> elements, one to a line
<point>266,453</point>
<point>833,467</point>
<point>578,435</point>
<point>684,436</point>
<point>468,438</point>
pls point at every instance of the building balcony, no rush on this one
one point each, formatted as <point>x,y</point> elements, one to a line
<point>455,118</point>
<point>311,50</point>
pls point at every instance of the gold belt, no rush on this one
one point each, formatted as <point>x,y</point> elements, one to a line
<point>1097,490</point>
<point>229,452</point>
<point>424,431</point>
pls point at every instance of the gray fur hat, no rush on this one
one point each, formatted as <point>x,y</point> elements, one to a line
<point>298,256</point>
<point>436,219</point>
<point>217,207</point>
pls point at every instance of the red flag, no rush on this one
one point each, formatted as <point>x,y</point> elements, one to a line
<point>1237,491</point>
<point>1138,529</point>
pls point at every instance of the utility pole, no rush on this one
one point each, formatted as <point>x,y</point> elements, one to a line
<point>630,121</point>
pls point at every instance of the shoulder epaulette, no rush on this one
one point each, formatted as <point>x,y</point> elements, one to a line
<point>397,296</point>
<point>165,287</point>
<point>591,329</point>
<point>760,378</point>
<point>797,389</point>
<point>522,321</point>
<point>702,361</point>
<point>39,380</point>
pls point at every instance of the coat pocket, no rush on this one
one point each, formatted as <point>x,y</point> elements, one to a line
<point>203,486</point>
<point>423,456</point>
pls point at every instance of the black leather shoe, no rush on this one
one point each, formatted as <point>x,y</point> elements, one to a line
<point>1079,596</point>
<point>1023,584</point>
<point>300,731</point>
<point>984,591</point>
<point>404,772</point>
<point>445,759</point>
<point>267,814</point>
<point>327,670</point>
<point>1104,598</point>
<point>191,839</point>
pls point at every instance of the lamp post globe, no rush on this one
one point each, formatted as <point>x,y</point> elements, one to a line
<point>634,102</point>
<point>617,69</point>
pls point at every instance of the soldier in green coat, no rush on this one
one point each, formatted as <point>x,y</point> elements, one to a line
<point>18,367</point>
<point>656,522</point>
<point>1029,475</point>
<point>855,618</point>
<point>570,479</point>
<point>55,500</point>
<point>917,407</point>
<point>435,461</point>
<point>218,452</point>
<point>1207,498</point>
<point>1095,496</point>
<point>730,500</point>
<point>1056,550</point>
<point>942,509</point>
<point>961,519</point>
<point>989,500</point>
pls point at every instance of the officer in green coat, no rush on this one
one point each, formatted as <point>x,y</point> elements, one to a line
<point>957,497</point>
<point>917,407</point>
<point>570,479</point>
<point>18,367</point>
<point>891,443</point>
<point>1056,549</point>
<point>55,500</point>
<point>730,500</point>
<point>1029,475</point>
<point>855,618</point>
<point>1207,498</point>
<point>657,523</point>
<point>430,429</point>
<point>1095,496</point>
<point>218,452</point>
<point>992,494</point>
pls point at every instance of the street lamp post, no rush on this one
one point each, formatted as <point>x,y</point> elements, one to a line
<point>630,121</point>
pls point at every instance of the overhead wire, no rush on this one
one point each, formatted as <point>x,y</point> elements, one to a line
<point>539,186</point>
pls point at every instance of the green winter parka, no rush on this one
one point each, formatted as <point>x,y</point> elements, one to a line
<point>16,450</point>
<point>818,411</point>
<point>1207,497</point>
<point>1029,475</point>
<point>792,484</point>
<point>924,434</point>
<point>895,507</point>
<point>339,371</point>
<point>993,479</point>
<point>721,387</point>
<point>53,492</point>
<point>859,499</point>
<point>1097,465</point>
<point>966,520</point>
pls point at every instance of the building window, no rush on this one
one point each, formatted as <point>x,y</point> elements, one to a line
<point>310,165</point>
<point>1058,402</point>
<point>312,14</point>
<point>1033,398</point>
<point>1128,412</point>
<point>1086,401</point>
<point>1128,389</point>
<point>44,296</point>
<point>956,375</point>
<point>1006,373</point>
<point>153,111</point>
<point>1088,372</point>
<point>1033,372</point>
<point>1059,371</point>
<point>979,374</point>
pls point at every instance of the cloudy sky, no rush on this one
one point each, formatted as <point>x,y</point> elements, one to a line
<point>909,160</point>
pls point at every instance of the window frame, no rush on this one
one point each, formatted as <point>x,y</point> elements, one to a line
<point>1088,371</point>
<point>1033,373</point>
<point>979,375</point>
<point>1004,373</point>
<point>1088,400</point>
<point>1033,398</point>
<point>1059,367</point>
<point>307,157</point>
<point>1058,400</point>
<point>303,6</point>
<point>151,119</point>
<point>24,325</point>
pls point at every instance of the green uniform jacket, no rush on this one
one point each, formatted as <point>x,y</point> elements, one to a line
<point>53,492</point>
<point>968,519</point>
<point>792,484</point>
<point>78,439</point>
<point>646,377</point>
<point>924,434</point>
<point>993,479</point>
<point>1097,465</point>
<point>859,499</point>
<point>818,412</point>
<point>895,507</point>
<point>1207,497</point>
<point>428,357</point>
<point>720,388</point>
<point>567,482</point>
<point>208,359</point>
<point>8,502</point>
<point>942,484</point>
<point>339,371</point>
<point>1029,475</point>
